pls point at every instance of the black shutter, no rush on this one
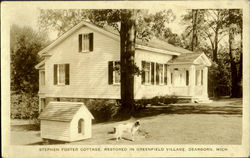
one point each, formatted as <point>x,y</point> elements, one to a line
<point>91,42</point>
<point>187,77</point>
<point>110,71</point>
<point>152,73</point>
<point>55,74</point>
<point>143,64</point>
<point>80,42</point>
<point>67,74</point>
<point>201,77</point>
<point>165,74</point>
<point>157,73</point>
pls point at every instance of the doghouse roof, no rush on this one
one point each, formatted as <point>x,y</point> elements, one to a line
<point>62,111</point>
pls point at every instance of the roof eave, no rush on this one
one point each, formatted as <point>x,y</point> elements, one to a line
<point>138,46</point>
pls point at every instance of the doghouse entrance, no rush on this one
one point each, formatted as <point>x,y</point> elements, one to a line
<point>81,126</point>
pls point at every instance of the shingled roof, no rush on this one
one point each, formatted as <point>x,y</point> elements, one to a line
<point>62,111</point>
<point>153,43</point>
<point>190,57</point>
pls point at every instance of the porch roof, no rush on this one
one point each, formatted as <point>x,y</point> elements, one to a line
<point>191,58</point>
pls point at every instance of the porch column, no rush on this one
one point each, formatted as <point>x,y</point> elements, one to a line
<point>192,81</point>
<point>205,81</point>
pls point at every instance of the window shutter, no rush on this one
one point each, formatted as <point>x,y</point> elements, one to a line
<point>171,78</point>
<point>143,63</point>
<point>201,77</point>
<point>91,42</point>
<point>187,77</point>
<point>80,42</point>
<point>110,71</point>
<point>157,73</point>
<point>165,74</point>
<point>152,73</point>
<point>55,74</point>
<point>67,74</point>
<point>196,77</point>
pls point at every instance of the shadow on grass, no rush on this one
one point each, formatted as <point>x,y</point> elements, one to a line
<point>188,109</point>
<point>25,127</point>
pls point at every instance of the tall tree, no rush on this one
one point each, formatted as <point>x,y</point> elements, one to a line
<point>24,45</point>
<point>234,22</point>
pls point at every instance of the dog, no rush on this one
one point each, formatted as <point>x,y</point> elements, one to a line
<point>131,128</point>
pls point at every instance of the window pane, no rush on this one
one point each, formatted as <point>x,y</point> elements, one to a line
<point>62,73</point>
<point>86,42</point>
<point>161,77</point>
<point>147,73</point>
<point>117,73</point>
<point>42,78</point>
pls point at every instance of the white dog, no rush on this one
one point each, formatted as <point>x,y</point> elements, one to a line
<point>126,128</point>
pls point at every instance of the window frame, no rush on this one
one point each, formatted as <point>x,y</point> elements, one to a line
<point>87,42</point>
<point>115,73</point>
<point>42,78</point>
<point>58,74</point>
<point>161,74</point>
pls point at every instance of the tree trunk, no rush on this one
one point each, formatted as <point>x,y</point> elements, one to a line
<point>234,75</point>
<point>194,37</point>
<point>127,37</point>
<point>215,45</point>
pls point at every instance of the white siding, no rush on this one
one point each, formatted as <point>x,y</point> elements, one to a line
<point>55,130</point>
<point>74,135</point>
<point>88,71</point>
<point>148,91</point>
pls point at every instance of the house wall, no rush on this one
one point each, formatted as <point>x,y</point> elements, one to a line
<point>55,130</point>
<point>88,71</point>
<point>149,91</point>
<point>74,135</point>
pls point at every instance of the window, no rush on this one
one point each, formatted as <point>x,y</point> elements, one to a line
<point>86,42</point>
<point>61,74</point>
<point>81,126</point>
<point>179,77</point>
<point>114,72</point>
<point>154,72</point>
<point>117,76</point>
<point>146,72</point>
<point>187,77</point>
<point>42,78</point>
<point>159,74</point>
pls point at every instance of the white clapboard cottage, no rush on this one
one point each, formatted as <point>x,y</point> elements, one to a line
<point>66,121</point>
<point>79,64</point>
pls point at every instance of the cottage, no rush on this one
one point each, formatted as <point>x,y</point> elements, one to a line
<point>79,65</point>
<point>66,121</point>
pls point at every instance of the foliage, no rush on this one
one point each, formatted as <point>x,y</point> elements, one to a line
<point>158,100</point>
<point>24,106</point>
<point>102,110</point>
<point>24,46</point>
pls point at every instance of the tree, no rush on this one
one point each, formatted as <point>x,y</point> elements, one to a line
<point>24,45</point>
<point>234,22</point>
<point>125,22</point>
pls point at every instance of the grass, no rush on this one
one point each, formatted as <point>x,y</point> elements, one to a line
<point>219,122</point>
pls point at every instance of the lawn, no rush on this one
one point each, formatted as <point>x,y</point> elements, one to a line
<point>219,122</point>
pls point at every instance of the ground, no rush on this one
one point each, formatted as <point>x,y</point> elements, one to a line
<point>219,122</point>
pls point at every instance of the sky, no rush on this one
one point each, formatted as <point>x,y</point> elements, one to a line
<point>27,15</point>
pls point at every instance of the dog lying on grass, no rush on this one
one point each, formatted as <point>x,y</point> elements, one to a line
<point>131,128</point>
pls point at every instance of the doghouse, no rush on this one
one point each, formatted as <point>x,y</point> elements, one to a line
<point>66,121</point>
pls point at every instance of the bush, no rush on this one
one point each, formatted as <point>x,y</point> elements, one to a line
<point>158,100</point>
<point>24,106</point>
<point>102,110</point>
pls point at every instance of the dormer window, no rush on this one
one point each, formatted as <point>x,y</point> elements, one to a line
<point>86,42</point>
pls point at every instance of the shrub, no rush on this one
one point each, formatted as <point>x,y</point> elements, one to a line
<point>24,106</point>
<point>102,110</point>
<point>158,100</point>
